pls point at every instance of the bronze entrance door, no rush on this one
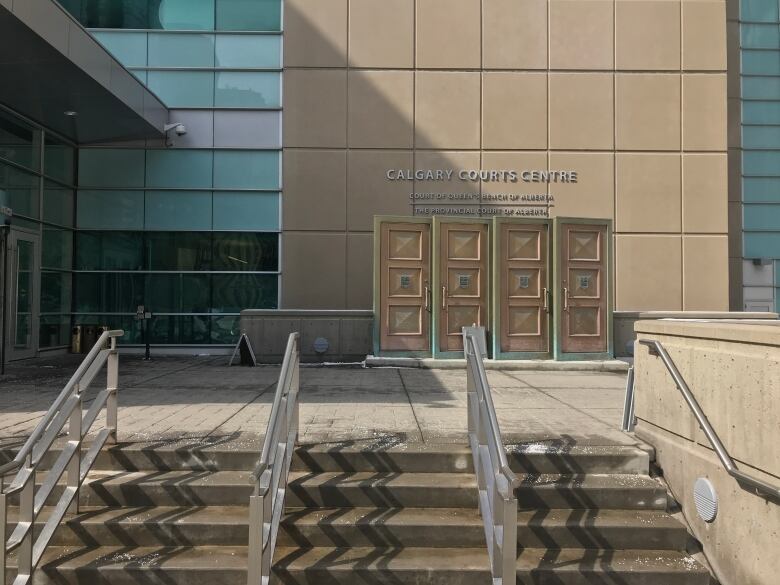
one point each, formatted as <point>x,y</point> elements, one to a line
<point>461,268</point>
<point>404,287</point>
<point>521,320</point>
<point>584,281</point>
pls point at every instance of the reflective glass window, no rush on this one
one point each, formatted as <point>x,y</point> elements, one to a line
<point>761,112</point>
<point>181,14</point>
<point>178,293</point>
<point>766,88</point>
<point>180,330</point>
<point>234,292</point>
<point>225,329</point>
<point>759,10</point>
<point>762,244</point>
<point>19,142</point>
<point>55,292</point>
<point>131,327</point>
<point>759,189</point>
<point>183,89</point>
<point>761,163</point>
<point>246,251</point>
<point>248,50</point>
<point>129,48</point>
<point>247,89</point>
<point>143,76</point>
<point>59,160</point>
<point>179,169</point>
<point>109,14</point>
<point>109,251</point>
<point>111,167</point>
<point>110,210</point>
<point>178,251</point>
<point>108,292</point>
<point>246,169</point>
<point>19,191</point>
<point>760,62</point>
<point>760,36</point>
<point>181,50</point>
<point>54,330</point>
<point>263,15</point>
<point>761,137</point>
<point>57,248</point>
<point>58,204</point>
<point>178,210</point>
<point>241,210</point>
<point>761,217</point>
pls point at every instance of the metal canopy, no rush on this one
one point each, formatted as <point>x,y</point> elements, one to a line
<point>49,65</point>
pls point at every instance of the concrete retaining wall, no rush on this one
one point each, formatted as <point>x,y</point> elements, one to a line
<point>348,333</point>
<point>733,369</point>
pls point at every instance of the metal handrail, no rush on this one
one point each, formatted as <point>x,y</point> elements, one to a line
<point>495,480</point>
<point>656,348</point>
<point>66,409</point>
<point>266,504</point>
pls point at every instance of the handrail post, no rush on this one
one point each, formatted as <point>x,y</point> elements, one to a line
<point>74,466</point>
<point>256,544</point>
<point>27,516</point>
<point>112,385</point>
<point>4,528</point>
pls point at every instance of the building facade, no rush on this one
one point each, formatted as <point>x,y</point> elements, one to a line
<point>306,120</point>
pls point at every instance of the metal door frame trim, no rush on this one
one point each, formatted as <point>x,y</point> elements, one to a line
<point>377,329</point>
<point>609,289</point>
<point>11,290</point>
<point>495,293</point>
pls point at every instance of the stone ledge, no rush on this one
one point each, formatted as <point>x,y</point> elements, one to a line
<point>612,366</point>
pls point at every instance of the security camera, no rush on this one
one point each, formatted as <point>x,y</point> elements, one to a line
<point>180,129</point>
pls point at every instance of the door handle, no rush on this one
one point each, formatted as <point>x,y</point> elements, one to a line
<point>444,297</point>
<point>427,298</point>
<point>546,300</point>
<point>565,299</point>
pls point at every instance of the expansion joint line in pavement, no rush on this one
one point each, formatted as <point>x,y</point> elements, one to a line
<point>409,398</point>
<point>255,399</point>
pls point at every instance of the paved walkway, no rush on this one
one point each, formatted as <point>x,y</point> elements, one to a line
<point>201,398</point>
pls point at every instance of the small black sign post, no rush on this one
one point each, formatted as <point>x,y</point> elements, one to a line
<point>245,351</point>
<point>141,314</point>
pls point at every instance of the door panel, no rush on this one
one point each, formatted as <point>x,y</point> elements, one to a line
<point>463,281</point>
<point>404,287</point>
<point>584,284</point>
<point>522,265</point>
<point>22,295</point>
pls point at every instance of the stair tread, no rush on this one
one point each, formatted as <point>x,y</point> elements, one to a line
<point>198,558</point>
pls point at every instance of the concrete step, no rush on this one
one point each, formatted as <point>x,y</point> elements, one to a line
<point>423,490</point>
<point>358,566</point>
<point>242,455</point>
<point>402,527</point>
<point>448,566</point>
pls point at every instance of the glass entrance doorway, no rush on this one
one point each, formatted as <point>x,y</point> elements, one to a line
<point>22,285</point>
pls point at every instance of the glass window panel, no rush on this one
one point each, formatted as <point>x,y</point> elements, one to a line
<point>110,210</point>
<point>19,142</point>
<point>759,10</point>
<point>183,89</point>
<point>182,169</point>
<point>248,50</point>
<point>142,76</point>
<point>761,163</point>
<point>757,190</point>
<point>265,15</point>
<point>225,329</point>
<point>179,330</point>
<point>762,245</point>
<point>181,50</point>
<point>109,251</point>
<point>58,204</point>
<point>113,14</point>
<point>54,330</point>
<point>246,169</point>
<point>59,160</point>
<point>760,62</point>
<point>19,191</point>
<point>766,112</point>
<point>235,292</point>
<point>131,327</point>
<point>766,88</point>
<point>178,210</point>
<point>245,89</point>
<point>182,14</point>
<point>761,137</point>
<point>760,36</point>
<point>178,293</point>
<point>111,167</point>
<point>761,217</point>
<point>55,292</point>
<point>108,292</point>
<point>57,248</point>
<point>129,48</point>
<point>246,211</point>
<point>178,251</point>
<point>246,251</point>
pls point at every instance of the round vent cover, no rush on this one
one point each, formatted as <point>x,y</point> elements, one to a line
<point>706,499</point>
<point>321,345</point>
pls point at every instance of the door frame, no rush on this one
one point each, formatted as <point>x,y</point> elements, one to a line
<point>14,234</point>
<point>377,329</point>
<point>436,280</point>
<point>496,290</point>
<point>559,355</point>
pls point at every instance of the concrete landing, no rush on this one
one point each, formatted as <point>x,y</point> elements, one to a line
<point>614,366</point>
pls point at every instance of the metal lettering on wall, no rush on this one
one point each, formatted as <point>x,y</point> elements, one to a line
<point>482,204</point>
